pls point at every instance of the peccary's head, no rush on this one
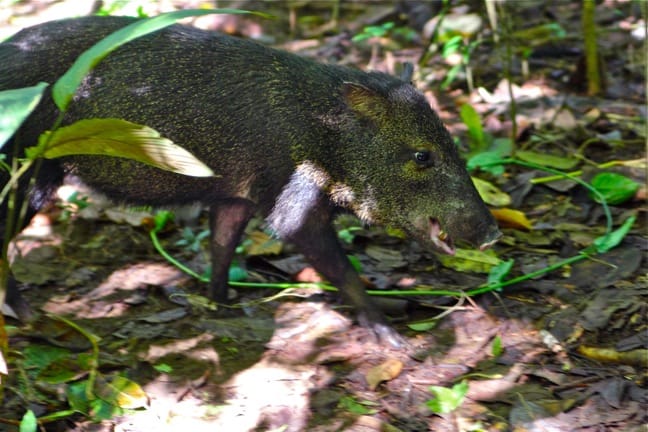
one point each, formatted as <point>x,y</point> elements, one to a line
<point>397,165</point>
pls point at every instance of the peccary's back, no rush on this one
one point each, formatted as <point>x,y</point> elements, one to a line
<point>243,109</point>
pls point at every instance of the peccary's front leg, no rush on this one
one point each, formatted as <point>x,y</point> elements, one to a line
<point>317,240</point>
<point>302,215</point>
<point>227,221</point>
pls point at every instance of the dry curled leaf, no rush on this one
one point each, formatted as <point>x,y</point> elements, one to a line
<point>262,244</point>
<point>509,218</point>
<point>385,371</point>
<point>636,357</point>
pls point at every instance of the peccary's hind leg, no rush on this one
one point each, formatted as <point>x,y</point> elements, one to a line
<point>11,224</point>
<point>16,301</point>
<point>13,297</point>
<point>50,177</point>
<point>227,221</point>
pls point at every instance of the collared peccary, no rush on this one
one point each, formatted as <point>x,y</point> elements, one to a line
<point>290,138</point>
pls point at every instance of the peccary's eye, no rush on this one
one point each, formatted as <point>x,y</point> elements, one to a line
<point>423,158</point>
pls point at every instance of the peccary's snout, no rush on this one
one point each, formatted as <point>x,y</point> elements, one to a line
<point>461,217</point>
<point>480,232</point>
<point>475,226</point>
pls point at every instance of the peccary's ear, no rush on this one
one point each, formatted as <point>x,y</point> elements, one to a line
<point>365,101</point>
<point>407,72</point>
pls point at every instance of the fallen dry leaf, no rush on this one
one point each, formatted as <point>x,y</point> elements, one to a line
<point>385,371</point>
<point>509,218</point>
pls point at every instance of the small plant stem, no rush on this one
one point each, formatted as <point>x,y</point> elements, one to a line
<point>577,173</point>
<point>425,54</point>
<point>92,373</point>
<point>175,262</point>
<point>508,61</point>
<point>591,50</point>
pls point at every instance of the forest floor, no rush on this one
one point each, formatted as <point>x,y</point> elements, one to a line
<point>563,351</point>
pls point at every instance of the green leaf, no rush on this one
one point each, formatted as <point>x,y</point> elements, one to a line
<point>15,107</point>
<point>490,193</point>
<point>472,120</point>
<point>161,219</point>
<point>67,85</point>
<point>28,423</point>
<point>237,273</point>
<point>450,76</point>
<point>395,232</point>
<point>502,146</point>
<point>447,400</point>
<point>348,234</point>
<point>102,410</point>
<point>465,260</point>
<point>119,138</point>
<point>38,357</point>
<point>353,406</point>
<point>612,239</point>
<point>373,31</point>
<point>558,162</point>
<point>121,392</point>
<point>500,271</point>
<point>486,161</point>
<point>355,263</point>
<point>615,188</point>
<point>543,32</point>
<point>163,368</point>
<point>63,370</point>
<point>77,396</point>
<point>57,415</point>
<point>422,326</point>
<point>496,347</point>
<point>452,46</point>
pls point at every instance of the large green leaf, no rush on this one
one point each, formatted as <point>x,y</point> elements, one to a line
<point>119,138</point>
<point>15,106</point>
<point>67,85</point>
<point>615,188</point>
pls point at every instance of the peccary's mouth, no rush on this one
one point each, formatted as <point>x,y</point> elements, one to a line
<point>440,238</point>
<point>488,244</point>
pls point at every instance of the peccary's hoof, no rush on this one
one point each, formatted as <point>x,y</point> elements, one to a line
<point>387,335</point>
<point>18,304</point>
<point>377,324</point>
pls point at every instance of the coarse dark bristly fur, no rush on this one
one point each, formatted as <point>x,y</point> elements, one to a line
<point>290,138</point>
